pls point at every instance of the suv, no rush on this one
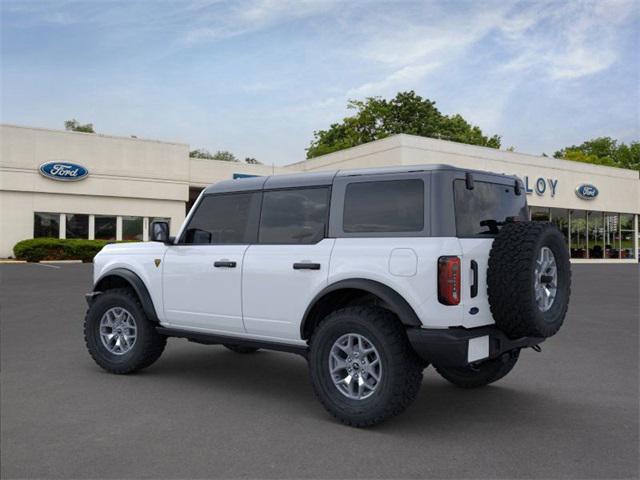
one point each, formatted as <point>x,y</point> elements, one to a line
<point>371,275</point>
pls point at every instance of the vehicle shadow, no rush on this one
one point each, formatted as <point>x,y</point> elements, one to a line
<point>282,379</point>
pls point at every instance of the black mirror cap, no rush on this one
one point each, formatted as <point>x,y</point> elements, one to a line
<point>160,232</point>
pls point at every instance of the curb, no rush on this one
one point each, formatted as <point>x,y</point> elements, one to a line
<point>7,261</point>
<point>60,261</point>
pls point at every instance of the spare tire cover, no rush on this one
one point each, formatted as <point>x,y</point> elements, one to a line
<point>529,279</point>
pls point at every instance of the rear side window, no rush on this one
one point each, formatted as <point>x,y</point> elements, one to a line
<point>384,206</point>
<point>481,211</point>
<point>295,216</point>
<point>224,219</point>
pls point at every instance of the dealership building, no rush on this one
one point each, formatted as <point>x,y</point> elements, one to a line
<point>78,185</point>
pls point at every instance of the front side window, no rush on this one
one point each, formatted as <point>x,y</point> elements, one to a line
<point>46,225</point>
<point>295,216</point>
<point>384,206</point>
<point>482,210</point>
<point>224,219</point>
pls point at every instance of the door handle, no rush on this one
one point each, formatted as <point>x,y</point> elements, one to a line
<point>306,266</point>
<point>224,263</point>
<point>474,272</point>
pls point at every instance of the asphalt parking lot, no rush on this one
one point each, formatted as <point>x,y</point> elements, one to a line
<point>203,411</point>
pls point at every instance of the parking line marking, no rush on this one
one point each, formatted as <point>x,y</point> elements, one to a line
<point>46,265</point>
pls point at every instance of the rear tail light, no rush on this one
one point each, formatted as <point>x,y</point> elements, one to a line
<point>449,280</point>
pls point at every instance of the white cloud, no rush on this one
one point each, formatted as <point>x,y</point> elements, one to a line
<point>405,77</point>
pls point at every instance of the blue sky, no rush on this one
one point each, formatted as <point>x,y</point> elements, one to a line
<point>258,77</point>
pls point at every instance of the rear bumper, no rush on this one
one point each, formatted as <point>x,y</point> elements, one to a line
<point>459,347</point>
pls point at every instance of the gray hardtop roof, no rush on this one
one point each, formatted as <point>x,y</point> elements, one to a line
<point>323,178</point>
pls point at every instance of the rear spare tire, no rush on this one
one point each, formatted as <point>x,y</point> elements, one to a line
<point>529,279</point>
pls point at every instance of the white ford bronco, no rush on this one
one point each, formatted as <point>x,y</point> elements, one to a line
<point>371,275</point>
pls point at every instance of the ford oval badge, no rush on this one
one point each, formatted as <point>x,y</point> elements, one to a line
<point>586,191</point>
<point>63,171</point>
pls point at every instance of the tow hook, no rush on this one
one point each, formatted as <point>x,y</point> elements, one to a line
<point>536,348</point>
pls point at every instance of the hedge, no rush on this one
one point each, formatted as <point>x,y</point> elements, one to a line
<point>36,249</point>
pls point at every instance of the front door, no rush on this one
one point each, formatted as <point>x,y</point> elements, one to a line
<point>202,274</point>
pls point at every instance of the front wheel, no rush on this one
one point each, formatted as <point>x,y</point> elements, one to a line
<point>119,336</point>
<point>362,368</point>
<point>480,375</point>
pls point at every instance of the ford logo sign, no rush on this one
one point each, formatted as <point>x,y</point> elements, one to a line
<point>64,171</point>
<point>586,191</point>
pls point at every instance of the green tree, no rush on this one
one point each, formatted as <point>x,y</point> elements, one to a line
<point>604,151</point>
<point>74,126</point>
<point>201,153</point>
<point>223,155</point>
<point>377,118</point>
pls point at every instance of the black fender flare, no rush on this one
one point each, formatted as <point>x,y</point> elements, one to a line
<point>138,286</point>
<point>396,303</point>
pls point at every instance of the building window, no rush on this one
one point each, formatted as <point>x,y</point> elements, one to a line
<point>46,225</point>
<point>295,216</point>
<point>578,234</point>
<point>539,214</point>
<point>626,236</point>
<point>77,226</point>
<point>611,236</point>
<point>105,227</point>
<point>560,218</point>
<point>595,226</point>
<point>132,228</point>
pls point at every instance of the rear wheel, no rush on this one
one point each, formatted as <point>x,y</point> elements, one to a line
<point>119,336</point>
<point>480,375</point>
<point>362,367</point>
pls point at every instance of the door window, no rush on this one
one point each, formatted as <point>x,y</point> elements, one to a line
<point>295,216</point>
<point>224,219</point>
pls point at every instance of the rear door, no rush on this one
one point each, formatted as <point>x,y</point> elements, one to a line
<point>480,211</point>
<point>202,273</point>
<point>290,262</point>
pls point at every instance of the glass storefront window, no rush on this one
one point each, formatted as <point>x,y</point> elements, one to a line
<point>560,218</point>
<point>595,232</point>
<point>611,236</point>
<point>539,214</point>
<point>132,228</point>
<point>626,236</point>
<point>578,234</point>
<point>105,227</point>
<point>77,226</point>
<point>46,225</point>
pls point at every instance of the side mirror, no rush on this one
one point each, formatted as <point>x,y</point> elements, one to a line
<point>160,232</point>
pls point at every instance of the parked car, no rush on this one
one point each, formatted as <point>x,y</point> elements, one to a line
<point>372,275</point>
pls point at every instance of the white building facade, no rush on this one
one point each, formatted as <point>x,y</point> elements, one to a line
<point>77,185</point>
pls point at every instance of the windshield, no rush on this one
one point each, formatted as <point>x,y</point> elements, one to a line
<point>483,210</point>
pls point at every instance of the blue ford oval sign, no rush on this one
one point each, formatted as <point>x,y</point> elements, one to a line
<point>64,171</point>
<point>586,191</point>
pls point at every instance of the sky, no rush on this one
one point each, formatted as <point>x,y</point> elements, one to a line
<point>258,77</point>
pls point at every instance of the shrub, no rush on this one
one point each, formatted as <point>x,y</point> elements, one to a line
<point>36,249</point>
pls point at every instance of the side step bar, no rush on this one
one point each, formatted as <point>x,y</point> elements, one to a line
<point>214,339</point>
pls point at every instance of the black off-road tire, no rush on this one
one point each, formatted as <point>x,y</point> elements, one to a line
<point>401,368</point>
<point>148,346</point>
<point>511,279</point>
<point>240,348</point>
<point>478,376</point>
